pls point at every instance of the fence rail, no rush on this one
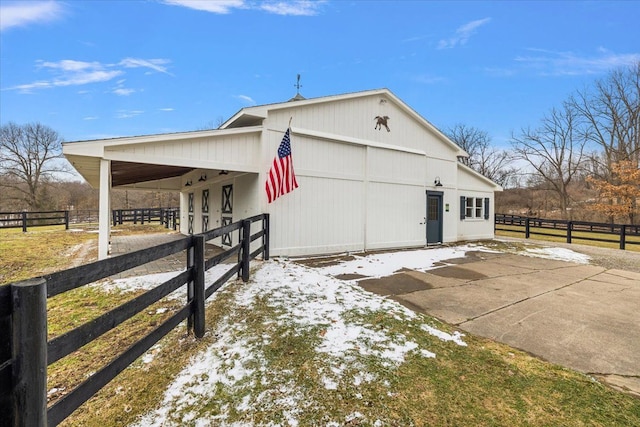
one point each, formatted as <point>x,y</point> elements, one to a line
<point>25,352</point>
<point>169,217</point>
<point>588,231</point>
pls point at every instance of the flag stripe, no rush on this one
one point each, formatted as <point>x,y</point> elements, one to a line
<point>281,179</point>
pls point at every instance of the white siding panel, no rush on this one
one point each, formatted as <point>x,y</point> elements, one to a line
<point>395,166</point>
<point>233,152</point>
<point>323,215</point>
<point>394,216</point>
<point>356,118</point>
<point>476,228</point>
<point>321,157</point>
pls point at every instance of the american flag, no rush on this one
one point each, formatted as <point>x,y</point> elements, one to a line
<point>282,179</point>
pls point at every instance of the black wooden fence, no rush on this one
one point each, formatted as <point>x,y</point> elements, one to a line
<point>169,217</point>
<point>25,352</point>
<point>587,231</point>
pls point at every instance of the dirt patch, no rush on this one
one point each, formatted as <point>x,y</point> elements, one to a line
<point>350,276</point>
<point>324,261</point>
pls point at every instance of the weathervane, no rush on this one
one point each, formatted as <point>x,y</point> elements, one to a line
<point>298,85</point>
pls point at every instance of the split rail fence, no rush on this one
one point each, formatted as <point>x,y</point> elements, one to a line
<point>621,234</point>
<point>169,217</point>
<point>25,352</point>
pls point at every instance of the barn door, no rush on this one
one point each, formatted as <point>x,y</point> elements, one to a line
<point>434,217</point>
<point>190,208</point>
<point>205,210</point>
<point>227,211</point>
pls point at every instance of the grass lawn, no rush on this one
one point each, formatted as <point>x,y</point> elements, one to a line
<point>47,249</point>
<point>580,237</point>
<point>293,347</point>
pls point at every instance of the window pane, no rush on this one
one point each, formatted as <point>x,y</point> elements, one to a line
<point>434,209</point>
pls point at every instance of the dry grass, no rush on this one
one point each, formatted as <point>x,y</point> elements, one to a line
<point>484,384</point>
<point>633,242</point>
<point>43,250</point>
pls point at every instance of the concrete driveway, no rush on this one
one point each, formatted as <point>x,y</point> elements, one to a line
<point>584,317</point>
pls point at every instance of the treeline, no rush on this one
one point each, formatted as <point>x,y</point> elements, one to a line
<point>581,161</point>
<point>73,195</point>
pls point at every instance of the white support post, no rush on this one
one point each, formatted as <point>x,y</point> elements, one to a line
<point>104,217</point>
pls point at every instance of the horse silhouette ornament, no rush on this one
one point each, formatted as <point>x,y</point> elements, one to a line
<point>382,121</point>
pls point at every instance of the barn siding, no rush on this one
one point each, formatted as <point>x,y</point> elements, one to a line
<point>355,118</point>
<point>236,152</point>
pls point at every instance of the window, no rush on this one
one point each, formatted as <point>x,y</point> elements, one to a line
<point>469,209</point>
<point>474,207</point>
<point>478,208</point>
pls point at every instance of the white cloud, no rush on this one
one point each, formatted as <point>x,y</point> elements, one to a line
<point>90,118</point>
<point>69,72</point>
<point>127,114</point>
<point>213,6</point>
<point>553,63</point>
<point>463,33</point>
<point>167,109</point>
<point>154,64</point>
<point>246,99</point>
<point>121,91</point>
<point>19,14</point>
<point>295,7</point>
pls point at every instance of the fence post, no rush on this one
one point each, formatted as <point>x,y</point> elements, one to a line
<point>246,251</point>
<point>198,286</point>
<point>623,236</point>
<point>569,229</point>
<point>265,236</point>
<point>526,228</point>
<point>66,220</point>
<point>190,266</point>
<point>29,352</point>
<point>24,222</point>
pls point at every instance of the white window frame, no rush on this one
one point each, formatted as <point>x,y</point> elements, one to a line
<point>474,207</point>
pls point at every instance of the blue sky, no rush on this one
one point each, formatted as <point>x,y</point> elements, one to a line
<point>99,69</point>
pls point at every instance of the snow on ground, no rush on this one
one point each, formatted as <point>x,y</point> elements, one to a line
<point>385,264</point>
<point>150,281</point>
<point>560,254</point>
<point>307,298</point>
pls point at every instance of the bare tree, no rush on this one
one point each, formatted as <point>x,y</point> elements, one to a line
<point>28,156</point>
<point>470,139</point>
<point>483,157</point>
<point>612,111</point>
<point>555,150</point>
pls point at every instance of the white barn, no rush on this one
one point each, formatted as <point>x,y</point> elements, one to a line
<point>360,188</point>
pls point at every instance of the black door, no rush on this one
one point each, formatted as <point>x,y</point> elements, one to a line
<point>434,217</point>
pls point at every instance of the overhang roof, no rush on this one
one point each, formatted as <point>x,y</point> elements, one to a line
<point>154,174</point>
<point>123,173</point>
